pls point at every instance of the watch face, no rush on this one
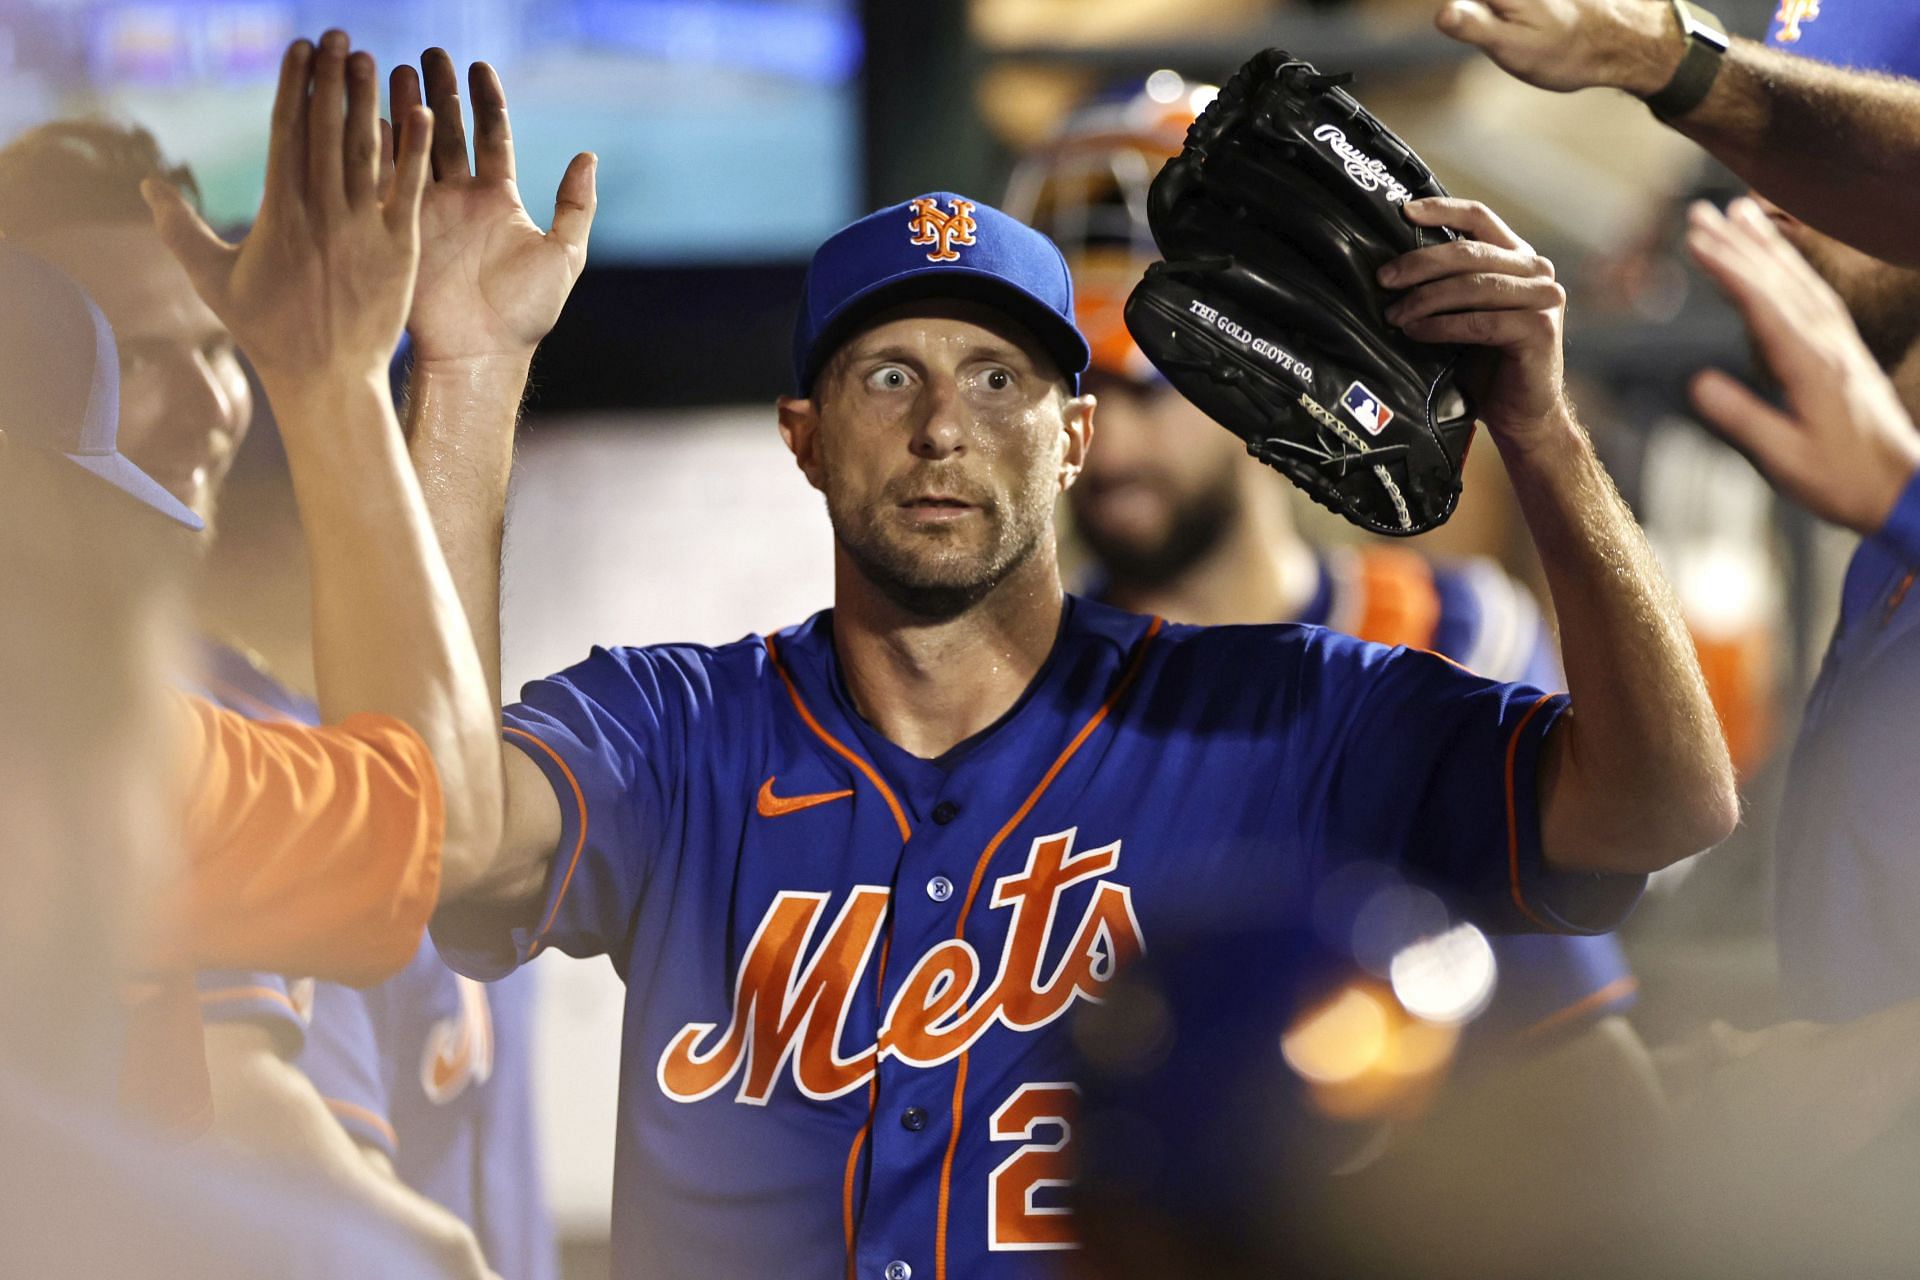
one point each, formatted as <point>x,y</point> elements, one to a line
<point>1697,24</point>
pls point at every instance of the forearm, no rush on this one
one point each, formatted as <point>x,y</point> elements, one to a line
<point>460,424</point>
<point>389,634</point>
<point>1836,148</point>
<point>1636,774</point>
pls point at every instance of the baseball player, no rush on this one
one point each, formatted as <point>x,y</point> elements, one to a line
<point>91,584</point>
<point>1180,525</point>
<point>856,872</point>
<point>418,1090</point>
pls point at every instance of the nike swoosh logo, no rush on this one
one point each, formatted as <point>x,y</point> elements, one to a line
<point>773,806</point>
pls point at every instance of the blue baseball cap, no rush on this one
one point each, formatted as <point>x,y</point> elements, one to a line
<point>1869,35</point>
<point>60,379</point>
<point>939,245</point>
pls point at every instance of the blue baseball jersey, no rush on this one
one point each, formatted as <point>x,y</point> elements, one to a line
<point>432,1068</point>
<point>1847,880</point>
<point>849,969</point>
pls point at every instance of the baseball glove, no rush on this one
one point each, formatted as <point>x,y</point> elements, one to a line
<point>1267,313</point>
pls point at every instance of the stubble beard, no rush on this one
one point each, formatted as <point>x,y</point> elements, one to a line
<point>1198,525</point>
<point>929,573</point>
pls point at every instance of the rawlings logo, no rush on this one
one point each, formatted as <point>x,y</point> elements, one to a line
<point>792,1007</point>
<point>1792,14</point>
<point>942,230</point>
<point>1368,173</point>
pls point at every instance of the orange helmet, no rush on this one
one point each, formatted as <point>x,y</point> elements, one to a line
<point>1087,189</point>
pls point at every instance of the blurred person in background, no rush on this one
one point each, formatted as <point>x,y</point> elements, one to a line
<point>93,569</point>
<point>1181,523</point>
<point>80,193</point>
<point>1844,448</point>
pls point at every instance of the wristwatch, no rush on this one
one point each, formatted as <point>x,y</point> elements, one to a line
<point>1707,42</point>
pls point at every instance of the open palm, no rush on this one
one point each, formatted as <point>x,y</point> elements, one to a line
<point>491,282</point>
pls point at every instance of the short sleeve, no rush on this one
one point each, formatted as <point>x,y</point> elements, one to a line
<point>313,851</point>
<point>1436,770</point>
<point>343,1059</point>
<point>263,999</point>
<point>608,734</point>
<point>1901,533</point>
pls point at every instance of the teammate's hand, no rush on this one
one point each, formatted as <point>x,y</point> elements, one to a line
<point>322,283</point>
<point>1844,447</point>
<point>1565,45</point>
<point>1492,291</point>
<point>491,282</point>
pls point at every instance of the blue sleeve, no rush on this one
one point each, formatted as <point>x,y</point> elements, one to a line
<point>1901,533</point>
<point>609,735</point>
<point>1435,769</point>
<point>267,999</point>
<point>343,1059</point>
<point>1550,987</point>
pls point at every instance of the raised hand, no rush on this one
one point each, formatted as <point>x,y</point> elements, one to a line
<point>322,284</point>
<point>1843,446</point>
<point>491,282</point>
<point>1488,290</point>
<point>1565,45</point>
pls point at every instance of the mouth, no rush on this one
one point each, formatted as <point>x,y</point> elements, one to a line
<point>937,508</point>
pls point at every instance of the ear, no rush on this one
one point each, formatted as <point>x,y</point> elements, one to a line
<point>1077,422</point>
<point>800,428</point>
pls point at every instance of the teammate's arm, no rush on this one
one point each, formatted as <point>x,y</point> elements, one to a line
<point>264,1104</point>
<point>1635,775</point>
<point>1837,149</point>
<point>491,286</point>
<point>316,296</point>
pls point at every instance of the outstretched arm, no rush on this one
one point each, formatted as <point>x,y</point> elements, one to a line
<point>492,284</point>
<point>1636,774</point>
<point>1837,149</point>
<point>316,296</point>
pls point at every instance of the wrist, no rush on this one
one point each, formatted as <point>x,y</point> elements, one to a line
<point>490,370</point>
<point>291,390</point>
<point>1649,47</point>
<point>1538,440</point>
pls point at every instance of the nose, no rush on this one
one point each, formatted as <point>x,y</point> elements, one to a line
<point>204,396</point>
<point>940,431</point>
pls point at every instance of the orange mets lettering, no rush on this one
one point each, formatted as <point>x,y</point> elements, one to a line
<point>459,1049</point>
<point>1792,14</point>
<point>943,230</point>
<point>786,1010</point>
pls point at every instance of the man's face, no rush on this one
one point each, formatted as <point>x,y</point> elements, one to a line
<point>1162,488</point>
<point>1883,299</point>
<point>184,401</point>
<point>940,435</point>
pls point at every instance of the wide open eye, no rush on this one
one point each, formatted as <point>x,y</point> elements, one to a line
<point>888,377</point>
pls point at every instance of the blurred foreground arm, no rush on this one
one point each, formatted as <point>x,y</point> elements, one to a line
<point>1837,149</point>
<point>316,296</point>
<point>491,286</point>
<point>1635,775</point>
<point>265,1106</point>
<point>1841,445</point>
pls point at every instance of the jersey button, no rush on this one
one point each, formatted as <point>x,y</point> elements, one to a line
<point>946,811</point>
<point>939,888</point>
<point>913,1119</point>
<point>898,1270</point>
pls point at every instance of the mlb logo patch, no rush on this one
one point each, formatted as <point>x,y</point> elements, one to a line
<point>1365,408</point>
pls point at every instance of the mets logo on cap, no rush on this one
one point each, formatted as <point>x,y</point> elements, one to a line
<point>942,230</point>
<point>1792,14</point>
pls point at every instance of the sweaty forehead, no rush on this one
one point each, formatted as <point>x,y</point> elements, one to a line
<point>143,292</point>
